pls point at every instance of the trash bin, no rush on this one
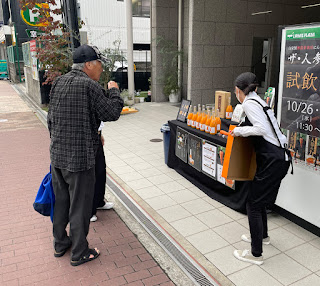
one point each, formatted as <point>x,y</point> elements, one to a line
<point>165,129</point>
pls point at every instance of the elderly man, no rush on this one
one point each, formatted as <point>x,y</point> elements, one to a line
<point>77,106</point>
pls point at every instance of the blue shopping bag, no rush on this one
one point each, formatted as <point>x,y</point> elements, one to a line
<point>44,202</point>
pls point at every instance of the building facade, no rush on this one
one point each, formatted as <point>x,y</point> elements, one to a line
<point>105,23</point>
<point>223,38</point>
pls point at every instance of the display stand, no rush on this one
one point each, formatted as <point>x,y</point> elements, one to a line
<point>233,198</point>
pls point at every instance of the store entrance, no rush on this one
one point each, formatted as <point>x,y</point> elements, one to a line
<point>260,62</point>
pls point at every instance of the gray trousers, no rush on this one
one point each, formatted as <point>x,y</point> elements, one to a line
<point>73,203</point>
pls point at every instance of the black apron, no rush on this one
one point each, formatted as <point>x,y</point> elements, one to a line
<point>271,169</point>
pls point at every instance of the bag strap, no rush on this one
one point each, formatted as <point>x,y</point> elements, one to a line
<point>51,197</point>
<point>265,109</point>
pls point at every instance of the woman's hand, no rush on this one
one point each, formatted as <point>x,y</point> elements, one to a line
<point>102,140</point>
<point>232,133</point>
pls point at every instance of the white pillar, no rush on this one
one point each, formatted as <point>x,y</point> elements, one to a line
<point>191,12</point>
<point>130,48</point>
<point>180,48</point>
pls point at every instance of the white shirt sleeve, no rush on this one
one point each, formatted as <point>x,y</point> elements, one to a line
<point>257,118</point>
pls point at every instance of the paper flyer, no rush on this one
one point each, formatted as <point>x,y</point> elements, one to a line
<point>209,159</point>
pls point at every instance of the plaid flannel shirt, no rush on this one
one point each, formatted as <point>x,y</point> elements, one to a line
<point>77,106</point>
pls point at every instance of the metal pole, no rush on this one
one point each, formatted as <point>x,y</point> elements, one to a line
<point>70,10</point>
<point>17,50</point>
<point>180,47</point>
<point>130,48</point>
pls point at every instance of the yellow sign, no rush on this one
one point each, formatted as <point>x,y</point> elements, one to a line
<point>31,18</point>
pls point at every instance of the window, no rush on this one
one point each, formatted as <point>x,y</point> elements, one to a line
<point>141,8</point>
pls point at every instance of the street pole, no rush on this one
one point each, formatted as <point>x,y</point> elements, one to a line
<point>180,47</point>
<point>71,13</point>
<point>130,48</point>
<point>17,50</point>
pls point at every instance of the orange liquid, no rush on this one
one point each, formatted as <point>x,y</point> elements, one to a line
<point>213,126</point>
<point>194,119</point>
<point>189,121</point>
<point>218,123</point>
<point>198,121</point>
<point>207,127</point>
<point>203,122</point>
<point>229,112</point>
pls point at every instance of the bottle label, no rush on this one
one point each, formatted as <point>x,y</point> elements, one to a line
<point>207,128</point>
<point>190,122</point>
<point>202,127</point>
<point>193,124</point>
<point>197,125</point>
<point>218,127</point>
<point>228,115</point>
<point>212,130</point>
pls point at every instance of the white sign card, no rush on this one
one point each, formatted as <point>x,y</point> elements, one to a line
<point>209,159</point>
<point>238,114</point>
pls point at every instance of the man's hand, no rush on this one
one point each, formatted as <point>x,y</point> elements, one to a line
<point>112,84</point>
<point>102,140</point>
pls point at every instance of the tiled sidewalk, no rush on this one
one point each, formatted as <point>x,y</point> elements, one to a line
<point>208,230</point>
<point>26,250</point>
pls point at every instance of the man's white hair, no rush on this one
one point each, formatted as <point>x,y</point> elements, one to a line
<point>80,66</point>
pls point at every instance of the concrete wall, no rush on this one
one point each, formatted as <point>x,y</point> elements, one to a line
<point>32,86</point>
<point>3,52</point>
<point>14,71</point>
<point>164,23</point>
<point>222,37</point>
<point>218,40</point>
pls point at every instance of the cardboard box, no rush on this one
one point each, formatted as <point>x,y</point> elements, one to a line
<point>222,101</point>
<point>240,159</point>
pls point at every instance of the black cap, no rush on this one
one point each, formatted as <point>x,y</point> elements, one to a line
<point>86,53</point>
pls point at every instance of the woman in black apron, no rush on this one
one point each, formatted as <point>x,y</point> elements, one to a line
<point>272,164</point>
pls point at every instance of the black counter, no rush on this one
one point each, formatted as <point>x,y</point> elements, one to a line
<point>235,199</point>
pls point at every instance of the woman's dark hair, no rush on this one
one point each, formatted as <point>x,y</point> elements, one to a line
<point>247,82</point>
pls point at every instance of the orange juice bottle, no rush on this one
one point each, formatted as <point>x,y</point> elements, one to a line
<point>190,115</point>
<point>218,121</point>
<point>194,117</point>
<point>198,117</point>
<point>207,127</point>
<point>204,119</point>
<point>213,124</point>
<point>229,110</point>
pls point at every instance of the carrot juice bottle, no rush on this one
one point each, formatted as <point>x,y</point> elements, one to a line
<point>198,117</point>
<point>207,127</point>
<point>194,117</point>
<point>229,110</point>
<point>189,118</point>
<point>218,121</point>
<point>204,119</point>
<point>213,124</point>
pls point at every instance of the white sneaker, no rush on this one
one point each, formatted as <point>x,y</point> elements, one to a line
<point>107,206</point>
<point>247,238</point>
<point>245,255</point>
<point>93,218</point>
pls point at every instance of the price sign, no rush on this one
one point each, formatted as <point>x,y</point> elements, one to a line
<point>183,110</point>
<point>299,88</point>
